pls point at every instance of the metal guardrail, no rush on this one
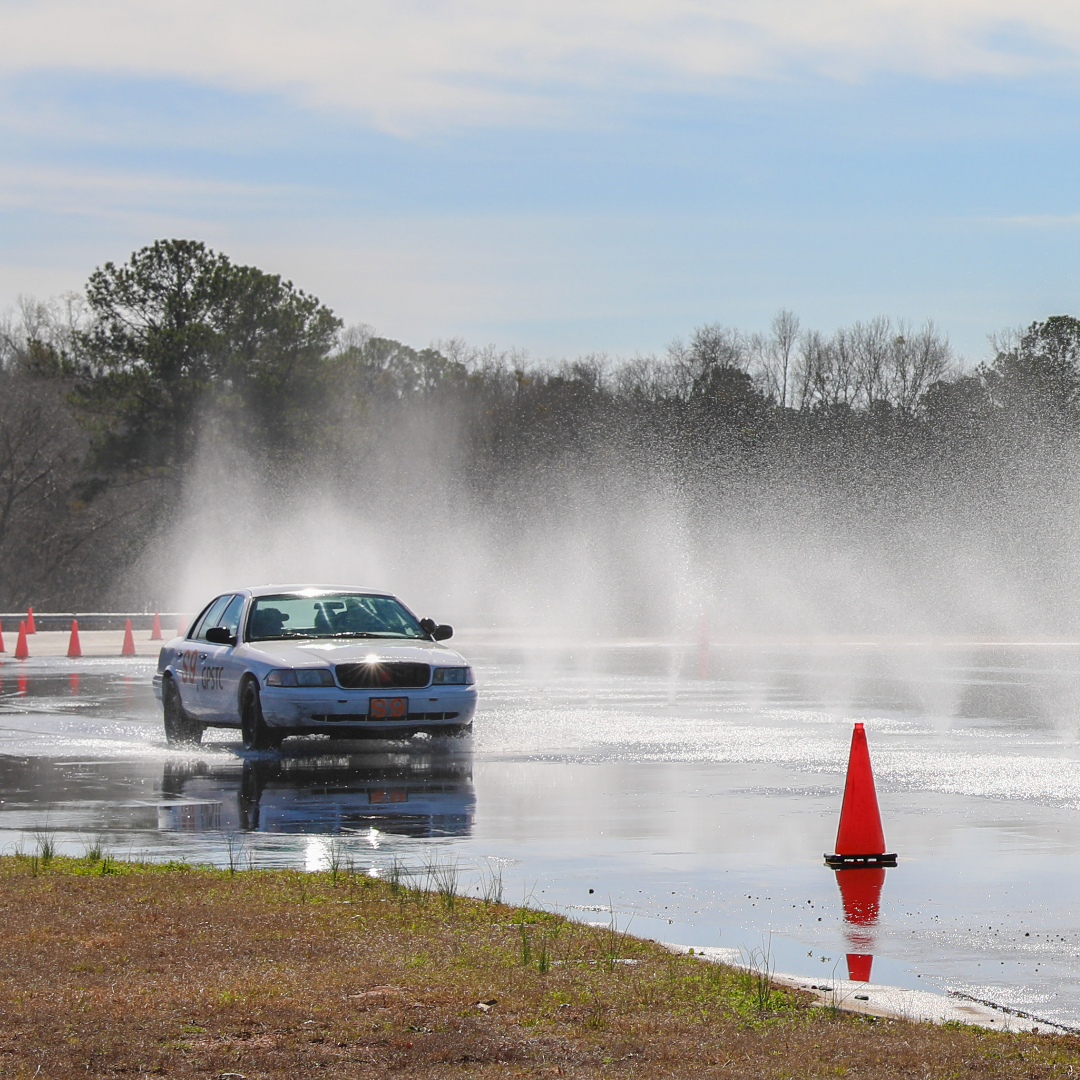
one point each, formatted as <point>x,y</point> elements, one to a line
<point>95,620</point>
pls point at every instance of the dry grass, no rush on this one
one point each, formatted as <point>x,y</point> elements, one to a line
<point>174,971</point>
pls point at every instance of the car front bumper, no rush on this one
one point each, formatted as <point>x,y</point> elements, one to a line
<point>332,709</point>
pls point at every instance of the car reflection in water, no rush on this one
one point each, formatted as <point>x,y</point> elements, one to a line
<point>417,795</point>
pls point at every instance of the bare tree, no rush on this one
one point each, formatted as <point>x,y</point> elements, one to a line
<point>918,359</point>
<point>776,357</point>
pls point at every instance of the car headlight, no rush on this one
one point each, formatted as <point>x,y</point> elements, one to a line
<point>445,676</point>
<point>300,677</point>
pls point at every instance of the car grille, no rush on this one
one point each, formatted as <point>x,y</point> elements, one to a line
<point>393,676</point>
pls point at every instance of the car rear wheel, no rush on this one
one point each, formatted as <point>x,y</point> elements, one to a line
<point>180,728</point>
<point>257,736</point>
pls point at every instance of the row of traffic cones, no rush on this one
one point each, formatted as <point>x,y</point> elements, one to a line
<point>22,649</point>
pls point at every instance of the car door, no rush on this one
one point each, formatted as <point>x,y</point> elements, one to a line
<point>227,692</point>
<point>199,655</point>
<point>218,680</point>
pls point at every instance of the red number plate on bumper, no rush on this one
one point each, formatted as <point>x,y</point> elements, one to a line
<point>388,708</point>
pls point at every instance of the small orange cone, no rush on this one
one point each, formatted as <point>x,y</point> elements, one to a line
<point>129,641</point>
<point>2,649</point>
<point>74,648</point>
<point>30,627</point>
<point>181,628</point>
<point>859,840</point>
<point>155,633</point>
<point>21,651</point>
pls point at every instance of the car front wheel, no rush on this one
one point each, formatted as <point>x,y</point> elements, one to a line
<point>257,736</point>
<point>180,728</point>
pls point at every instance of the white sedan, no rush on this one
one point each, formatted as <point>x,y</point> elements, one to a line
<point>300,660</point>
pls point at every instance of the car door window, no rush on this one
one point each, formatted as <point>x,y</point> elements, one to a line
<point>210,619</point>
<point>230,617</point>
<point>193,626</point>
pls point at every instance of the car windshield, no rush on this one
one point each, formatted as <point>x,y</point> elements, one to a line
<point>329,615</point>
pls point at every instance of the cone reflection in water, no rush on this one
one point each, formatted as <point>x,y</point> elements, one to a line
<point>74,679</point>
<point>2,638</point>
<point>20,686</point>
<point>860,894</point>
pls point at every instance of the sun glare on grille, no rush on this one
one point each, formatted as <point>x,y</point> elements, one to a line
<point>376,676</point>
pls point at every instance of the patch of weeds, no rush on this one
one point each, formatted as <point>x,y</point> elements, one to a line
<point>543,955</point>
<point>301,882</point>
<point>338,858</point>
<point>612,940</point>
<point>393,878</point>
<point>755,995</point>
<point>234,851</point>
<point>526,944</point>
<point>443,878</point>
<point>491,883</point>
<point>46,848</point>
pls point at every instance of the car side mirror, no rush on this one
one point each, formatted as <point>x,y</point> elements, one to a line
<point>442,632</point>
<point>219,635</point>
<point>428,626</point>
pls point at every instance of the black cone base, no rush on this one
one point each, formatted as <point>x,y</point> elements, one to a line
<point>841,862</point>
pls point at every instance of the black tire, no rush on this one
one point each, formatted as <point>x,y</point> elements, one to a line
<point>180,728</point>
<point>458,731</point>
<point>257,736</point>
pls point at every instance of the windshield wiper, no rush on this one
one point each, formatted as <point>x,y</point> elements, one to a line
<point>368,634</point>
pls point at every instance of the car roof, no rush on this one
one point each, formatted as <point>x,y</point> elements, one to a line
<point>274,590</point>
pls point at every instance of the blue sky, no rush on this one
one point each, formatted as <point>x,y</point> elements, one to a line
<point>563,178</point>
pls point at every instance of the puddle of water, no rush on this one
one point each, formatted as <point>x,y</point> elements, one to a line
<point>689,797</point>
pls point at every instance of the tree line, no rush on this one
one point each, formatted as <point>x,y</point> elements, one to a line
<point>108,398</point>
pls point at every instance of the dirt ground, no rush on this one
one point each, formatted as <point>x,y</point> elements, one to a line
<point>110,969</point>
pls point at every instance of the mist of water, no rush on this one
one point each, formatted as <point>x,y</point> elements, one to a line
<point>609,550</point>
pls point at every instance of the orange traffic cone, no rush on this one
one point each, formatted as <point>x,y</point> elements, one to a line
<point>155,633</point>
<point>2,649</point>
<point>129,641</point>
<point>30,627</point>
<point>21,651</point>
<point>859,840</point>
<point>181,628</point>
<point>860,893</point>
<point>74,648</point>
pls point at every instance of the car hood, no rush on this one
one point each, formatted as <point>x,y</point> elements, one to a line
<point>385,650</point>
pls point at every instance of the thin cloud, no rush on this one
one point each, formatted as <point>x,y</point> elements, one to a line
<point>1038,221</point>
<point>73,190</point>
<point>416,63</point>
